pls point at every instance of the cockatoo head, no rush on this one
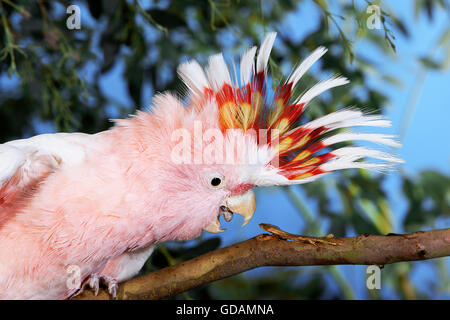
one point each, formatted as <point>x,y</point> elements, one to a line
<point>237,133</point>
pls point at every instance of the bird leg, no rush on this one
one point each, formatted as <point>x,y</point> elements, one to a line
<point>296,238</point>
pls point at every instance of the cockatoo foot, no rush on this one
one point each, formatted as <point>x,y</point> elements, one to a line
<point>94,281</point>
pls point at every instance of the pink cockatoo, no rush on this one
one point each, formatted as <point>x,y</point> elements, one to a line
<point>95,206</point>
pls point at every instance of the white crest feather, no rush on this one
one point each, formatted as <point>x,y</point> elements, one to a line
<point>347,118</point>
<point>193,76</point>
<point>321,87</point>
<point>306,64</point>
<point>345,163</point>
<point>248,65</point>
<point>356,153</point>
<point>217,72</point>
<point>264,52</point>
<point>373,137</point>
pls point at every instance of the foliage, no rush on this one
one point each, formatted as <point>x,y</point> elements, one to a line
<point>56,73</point>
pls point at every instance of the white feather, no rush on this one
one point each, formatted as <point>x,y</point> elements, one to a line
<point>248,65</point>
<point>272,177</point>
<point>264,52</point>
<point>70,148</point>
<point>193,76</point>
<point>344,163</point>
<point>347,118</point>
<point>306,64</point>
<point>373,137</point>
<point>363,121</point>
<point>356,153</point>
<point>11,159</point>
<point>333,118</point>
<point>321,87</point>
<point>128,264</point>
<point>217,72</point>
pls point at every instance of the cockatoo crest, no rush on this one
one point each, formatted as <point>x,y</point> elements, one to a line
<point>300,154</point>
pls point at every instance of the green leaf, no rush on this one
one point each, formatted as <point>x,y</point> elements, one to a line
<point>429,198</point>
<point>430,63</point>
<point>169,20</point>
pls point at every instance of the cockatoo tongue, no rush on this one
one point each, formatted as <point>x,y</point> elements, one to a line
<point>243,204</point>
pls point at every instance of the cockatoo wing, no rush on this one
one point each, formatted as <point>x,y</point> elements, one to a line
<point>26,162</point>
<point>11,159</point>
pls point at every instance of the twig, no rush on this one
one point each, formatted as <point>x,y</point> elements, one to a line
<point>150,19</point>
<point>272,250</point>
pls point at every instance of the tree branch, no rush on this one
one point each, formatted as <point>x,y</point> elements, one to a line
<point>281,249</point>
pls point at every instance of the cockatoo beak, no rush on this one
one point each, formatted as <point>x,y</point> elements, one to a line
<point>214,227</point>
<point>243,204</point>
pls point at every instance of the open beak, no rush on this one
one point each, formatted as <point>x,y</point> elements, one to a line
<point>243,204</point>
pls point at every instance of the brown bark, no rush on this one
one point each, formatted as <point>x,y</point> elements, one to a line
<point>281,249</point>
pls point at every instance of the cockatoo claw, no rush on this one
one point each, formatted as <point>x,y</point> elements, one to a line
<point>95,280</point>
<point>94,283</point>
<point>112,288</point>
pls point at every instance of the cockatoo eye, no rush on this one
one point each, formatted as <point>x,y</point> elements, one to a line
<point>216,181</point>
